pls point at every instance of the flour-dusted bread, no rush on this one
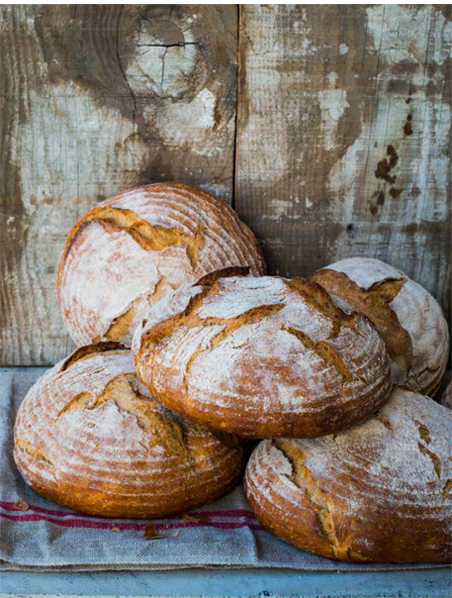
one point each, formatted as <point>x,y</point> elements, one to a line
<point>446,399</point>
<point>89,437</point>
<point>408,318</point>
<point>262,357</point>
<point>378,492</point>
<point>128,251</point>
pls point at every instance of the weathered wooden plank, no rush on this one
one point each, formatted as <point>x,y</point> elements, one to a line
<point>96,99</point>
<point>343,140</point>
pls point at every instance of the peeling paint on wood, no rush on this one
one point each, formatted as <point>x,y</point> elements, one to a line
<point>343,140</point>
<point>96,99</point>
<point>342,144</point>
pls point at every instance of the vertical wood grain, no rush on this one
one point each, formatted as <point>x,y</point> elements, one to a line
<point>96,99</point>
<point>342,141</point>
<point>343,138</point>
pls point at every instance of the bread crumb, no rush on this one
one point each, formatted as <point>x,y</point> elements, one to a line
<point>195,519</point>
<point>21,505</point>
<point>150,533</point>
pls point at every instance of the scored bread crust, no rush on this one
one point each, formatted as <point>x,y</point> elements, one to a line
<point>378,492</point>
<point>89,436</point>
<point>407,317</point>
<point>130,250</point>
<point>262,357</point>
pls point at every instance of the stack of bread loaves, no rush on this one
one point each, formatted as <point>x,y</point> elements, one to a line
<point>186,348</point>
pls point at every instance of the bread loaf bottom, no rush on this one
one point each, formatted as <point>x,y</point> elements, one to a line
<point>378,492</point>
<point>89,436</point>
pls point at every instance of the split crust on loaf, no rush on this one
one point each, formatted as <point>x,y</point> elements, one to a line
<point>407,317</point>
<point>89,436</point>
<point>378,492</point>
<point>262,357</point>
<point>132,249</point>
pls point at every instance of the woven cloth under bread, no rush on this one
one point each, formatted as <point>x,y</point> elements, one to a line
<point>48,537</point>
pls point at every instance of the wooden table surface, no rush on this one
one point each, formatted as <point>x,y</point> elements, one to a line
<point>326,127</point>
<point>215,583</point>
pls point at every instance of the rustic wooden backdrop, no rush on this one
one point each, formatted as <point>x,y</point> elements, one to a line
<point>328,128</point>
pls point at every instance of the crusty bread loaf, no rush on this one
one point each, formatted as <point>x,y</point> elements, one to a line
<point>89,437</point>
<point>408,318</point>
<point>128,251</point>
<point>446,399</point>
<point>378,492</point>
<point>262,357</point>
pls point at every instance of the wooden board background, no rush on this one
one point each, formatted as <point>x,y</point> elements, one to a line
<point>327,127</point>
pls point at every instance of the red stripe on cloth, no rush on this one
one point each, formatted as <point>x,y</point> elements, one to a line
<point>80,523</point>
<point>239,513</point>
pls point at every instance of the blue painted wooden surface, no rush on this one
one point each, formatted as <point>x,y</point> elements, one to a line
<point>432,583</point>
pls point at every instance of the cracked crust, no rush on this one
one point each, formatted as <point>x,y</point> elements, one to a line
<point>89,436</point>
<point>408,318</point>
<point>262,357</point>
<point>378,492</point>
<point>130,250</point>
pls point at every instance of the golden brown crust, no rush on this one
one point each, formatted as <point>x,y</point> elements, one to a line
<point>262,357</point>
<point>89,350</point>
<point>128,251</point>
<point>407,317</point>
<point>379,492</point>
<point>211,277</point>
<point>373,302</point>
<point>88,436</point>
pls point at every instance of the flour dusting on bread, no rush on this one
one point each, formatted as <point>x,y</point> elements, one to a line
<point>381,491</point>
<point>262,357</point>
<point>408,318</point>
<point>89,436</point>
<point>130,250</point>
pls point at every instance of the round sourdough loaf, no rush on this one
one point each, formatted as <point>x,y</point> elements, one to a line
<point>408,318</point>
<point>446,399</point>
<point>89,437</point>
<point>128,251</point>
<point>262,357</point>
<point>378,492</point>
